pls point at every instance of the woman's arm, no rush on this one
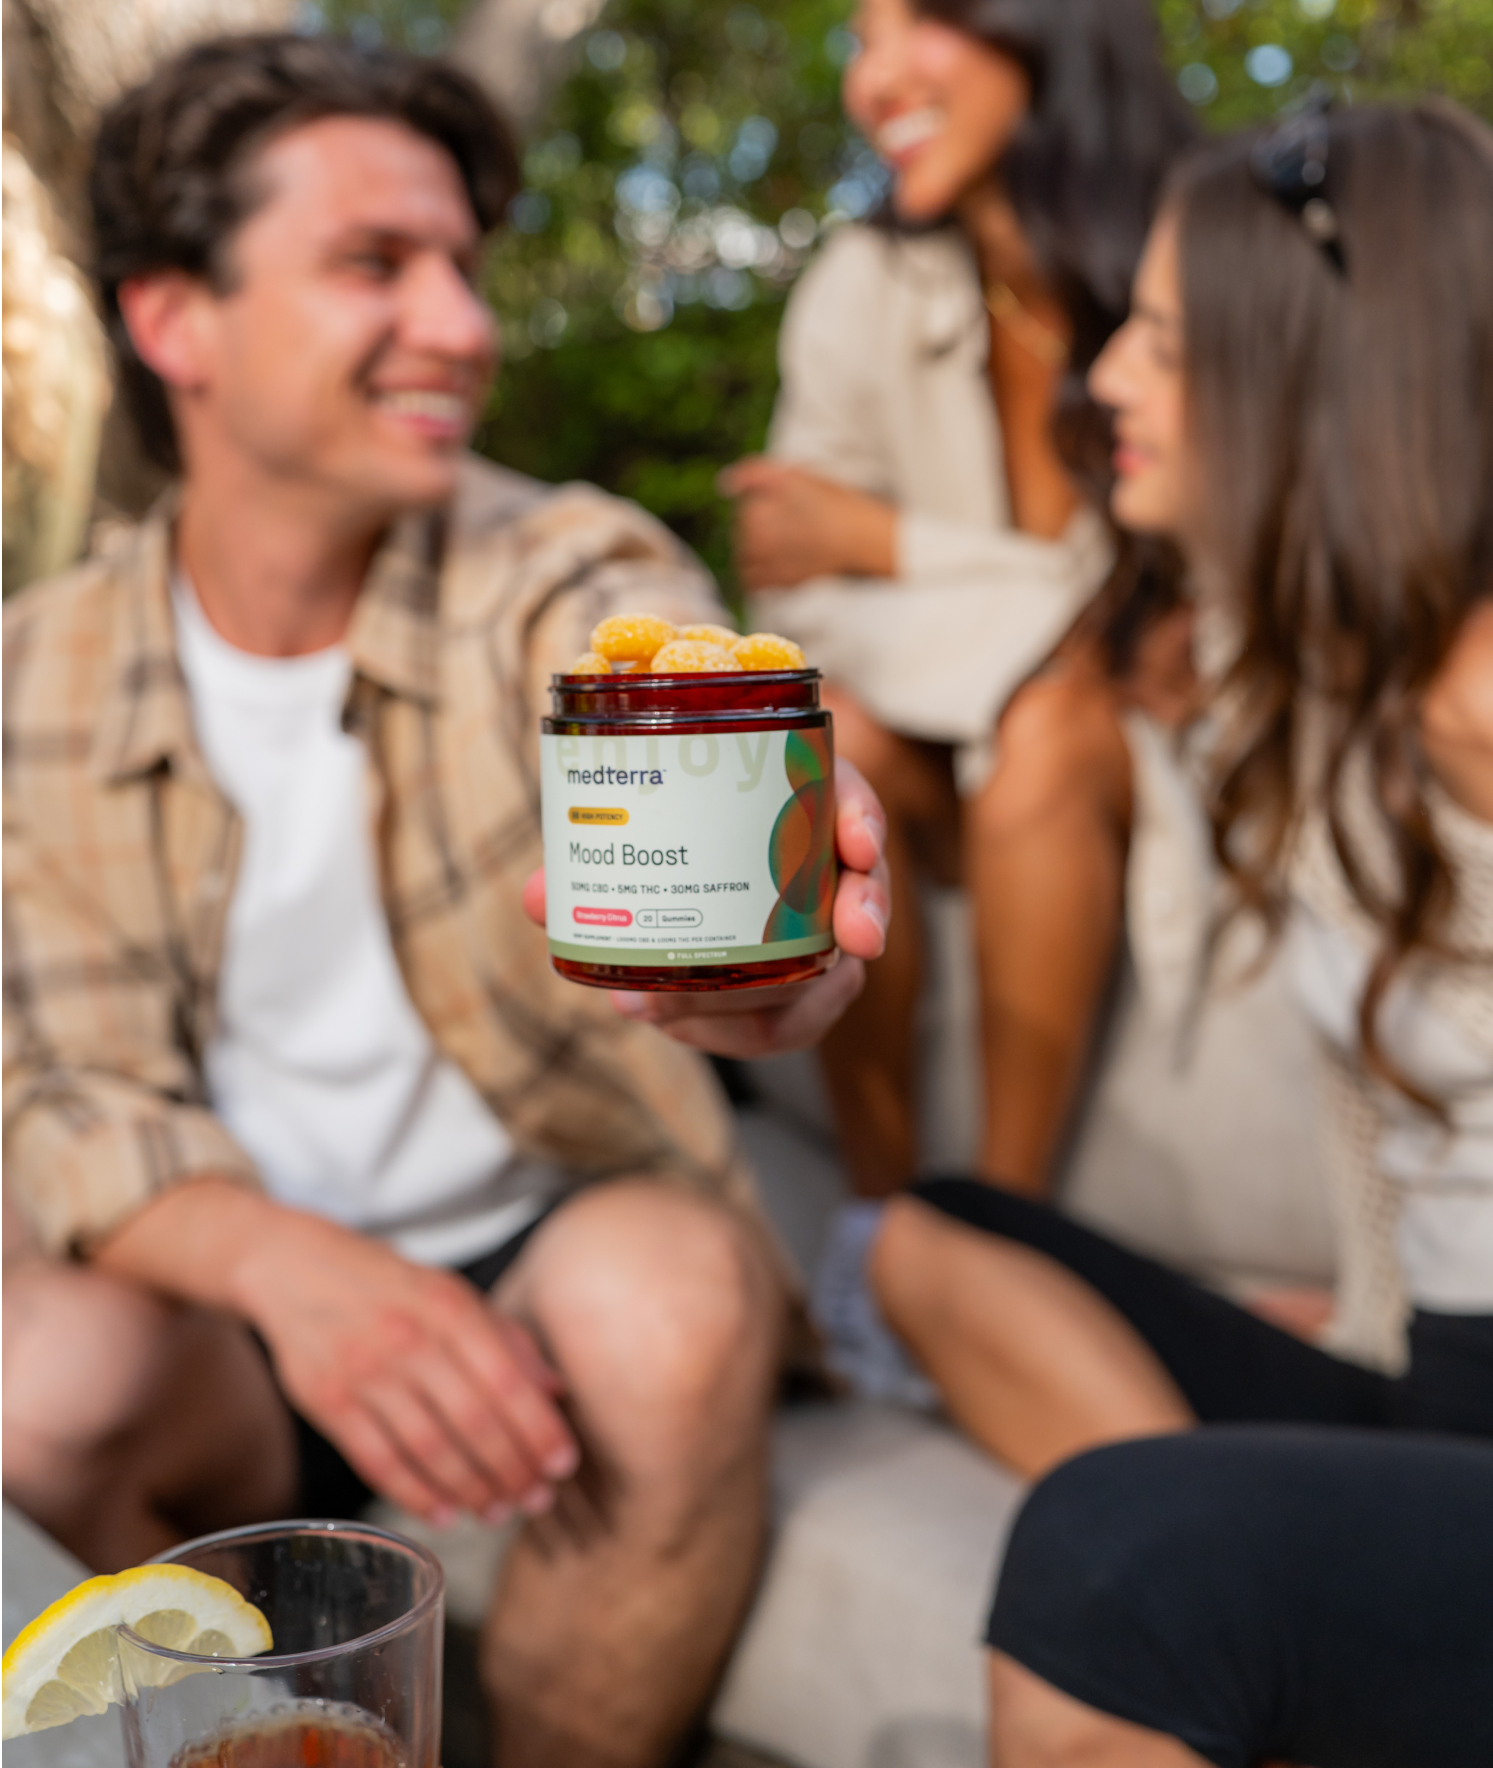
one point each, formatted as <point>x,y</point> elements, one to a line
<point>1457,722</point>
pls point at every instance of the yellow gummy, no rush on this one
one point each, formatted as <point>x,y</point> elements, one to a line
<point>765,650</point>
<point>708,634</point>
<point>630,638</point>
<point>590,663</point>
<point>686,656</point>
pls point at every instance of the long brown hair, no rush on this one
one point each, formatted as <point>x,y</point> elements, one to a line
<point>1084,171</point>
<point>1341,406</point>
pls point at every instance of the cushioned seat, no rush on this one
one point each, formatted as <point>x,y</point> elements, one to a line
<point>862,1650</point>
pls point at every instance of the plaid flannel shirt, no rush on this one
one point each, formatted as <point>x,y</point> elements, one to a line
<point>120,856</point>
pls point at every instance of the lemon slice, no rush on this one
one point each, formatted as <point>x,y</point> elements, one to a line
<point>65,1663</point>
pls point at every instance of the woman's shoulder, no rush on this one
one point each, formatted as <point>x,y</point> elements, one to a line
<point>1457,721</point>
<point>852,261</point>
<point>861,265</point>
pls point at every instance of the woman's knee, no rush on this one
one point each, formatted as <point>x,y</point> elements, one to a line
<point>875,750</point>
<point>1060,745</point>
<point>908,1264</point>
<point>1035,1725</point>
<point>913,779</point>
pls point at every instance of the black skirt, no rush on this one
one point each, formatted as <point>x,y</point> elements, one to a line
<point>1309,1577</point>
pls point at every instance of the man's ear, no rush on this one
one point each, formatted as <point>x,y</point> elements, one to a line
<point>167,314</point>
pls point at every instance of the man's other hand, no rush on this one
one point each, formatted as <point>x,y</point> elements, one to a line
<point>439,1402</point>
<point>746,1022</point>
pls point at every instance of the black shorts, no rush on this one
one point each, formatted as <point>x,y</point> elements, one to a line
<point>1268,1593</point>
<point>1309,1578</point>
<point>1232,1366</point>
<point>329,1486</point>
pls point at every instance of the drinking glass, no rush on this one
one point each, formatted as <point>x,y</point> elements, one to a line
<point>353,1679</point>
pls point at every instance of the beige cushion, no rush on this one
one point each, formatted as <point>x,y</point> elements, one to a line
<point>863,1648</point>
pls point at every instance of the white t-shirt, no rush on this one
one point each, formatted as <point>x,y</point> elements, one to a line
<point>1444,1233</point>
<point>321,1067</point>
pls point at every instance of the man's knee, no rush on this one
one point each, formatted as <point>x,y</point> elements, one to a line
<point>84,1357</point>
<point>644,1290</point>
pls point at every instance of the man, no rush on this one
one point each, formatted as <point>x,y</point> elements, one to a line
<point>286,1062</point>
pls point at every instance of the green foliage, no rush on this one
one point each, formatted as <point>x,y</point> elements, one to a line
<point>698,151</point>
<point>679,187</point>
<point>1241,60</point>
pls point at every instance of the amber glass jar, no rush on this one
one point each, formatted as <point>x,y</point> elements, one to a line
<point>689,829</point>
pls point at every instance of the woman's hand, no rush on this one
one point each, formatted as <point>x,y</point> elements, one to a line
<point>747,1022</point>
<point>792,525</point>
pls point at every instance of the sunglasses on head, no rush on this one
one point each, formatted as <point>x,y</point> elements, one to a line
<point>1290,165</point>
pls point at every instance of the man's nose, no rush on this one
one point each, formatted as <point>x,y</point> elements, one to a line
<point>443,314</point>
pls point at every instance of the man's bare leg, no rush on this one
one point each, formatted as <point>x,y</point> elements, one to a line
<point>1032,1363</point>
<point>1045,849</point>
<point>869,1057</point>
<point>1034,1725</point>
<point>615,1614</point>
<point>132,1423</point>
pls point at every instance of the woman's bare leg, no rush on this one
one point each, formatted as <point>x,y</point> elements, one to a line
<point>1034,1725</point>
<point>869,1058</point>
<point>1045,849</point>
<point>1031,1362</point>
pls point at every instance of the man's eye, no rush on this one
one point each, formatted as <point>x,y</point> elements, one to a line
<point>382,265</point>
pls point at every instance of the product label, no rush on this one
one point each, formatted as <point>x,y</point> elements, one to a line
<point>663,850</point>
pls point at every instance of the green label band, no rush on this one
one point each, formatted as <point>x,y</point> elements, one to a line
<point>664,957</point>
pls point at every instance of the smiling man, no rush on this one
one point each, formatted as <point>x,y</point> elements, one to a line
<point>303,1134</point>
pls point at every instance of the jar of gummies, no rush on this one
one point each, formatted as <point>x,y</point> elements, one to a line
<point>687,784</point>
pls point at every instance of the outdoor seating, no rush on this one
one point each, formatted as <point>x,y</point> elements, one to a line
<point>1013,1282</point>
<point>862,1648</point>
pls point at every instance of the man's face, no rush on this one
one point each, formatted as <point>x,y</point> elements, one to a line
<point>349,353</point>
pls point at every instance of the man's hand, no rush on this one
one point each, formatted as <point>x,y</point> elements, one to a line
<point>440,1403</point>
<point>746,1022</point>
<point>792,525</point>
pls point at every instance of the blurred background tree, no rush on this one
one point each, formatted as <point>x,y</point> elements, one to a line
<point>683,172</point>
<point>683,159</point>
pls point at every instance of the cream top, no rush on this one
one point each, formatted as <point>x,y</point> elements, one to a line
<point>1413,1192</point>
<point>884,387</point>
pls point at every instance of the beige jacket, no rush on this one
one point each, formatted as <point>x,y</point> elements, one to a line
<point>883,357</point>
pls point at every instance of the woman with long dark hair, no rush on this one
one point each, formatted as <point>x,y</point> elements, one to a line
<point>1304,404</point>
<point>928,525</point>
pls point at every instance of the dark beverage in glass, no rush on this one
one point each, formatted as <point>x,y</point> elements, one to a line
<point>352,1680</point>
<point>309,1736</point>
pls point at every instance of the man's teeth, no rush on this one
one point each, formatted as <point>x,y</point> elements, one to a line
<point>911,129</point>
<point>445,408</point>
